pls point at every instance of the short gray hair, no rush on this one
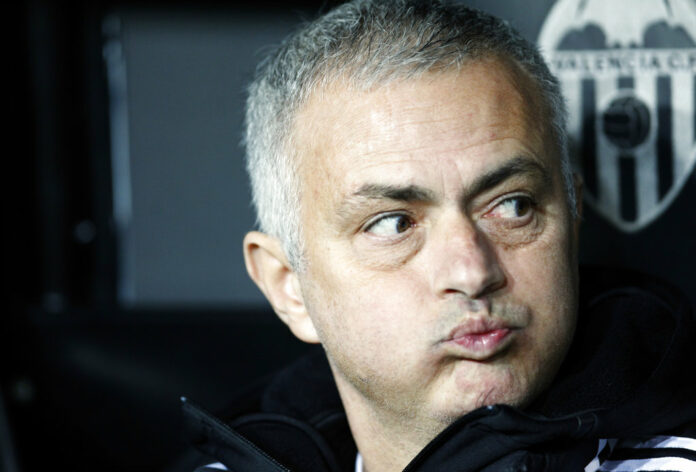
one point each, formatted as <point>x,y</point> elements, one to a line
<point>369,42</point>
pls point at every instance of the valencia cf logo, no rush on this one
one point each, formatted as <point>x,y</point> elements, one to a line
<point>628,73</point>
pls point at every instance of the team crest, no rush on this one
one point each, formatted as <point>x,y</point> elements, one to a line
<point>628,72</point>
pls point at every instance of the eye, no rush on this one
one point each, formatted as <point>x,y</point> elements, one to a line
<point>390,225</point>
<point>512,208</point>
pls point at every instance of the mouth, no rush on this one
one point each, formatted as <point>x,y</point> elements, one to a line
<point>479,339</point>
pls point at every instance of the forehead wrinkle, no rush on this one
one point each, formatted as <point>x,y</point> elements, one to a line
<point>411,152</point>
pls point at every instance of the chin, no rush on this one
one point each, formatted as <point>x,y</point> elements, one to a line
<point>485,398</point>
<point>505,387</point>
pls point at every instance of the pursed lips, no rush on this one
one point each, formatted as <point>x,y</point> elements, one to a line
<point>480,338</point>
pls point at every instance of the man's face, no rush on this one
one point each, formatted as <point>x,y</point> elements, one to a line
<point>440,250</point>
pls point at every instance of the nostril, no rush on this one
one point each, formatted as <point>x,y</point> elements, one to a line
<point>475,282</point>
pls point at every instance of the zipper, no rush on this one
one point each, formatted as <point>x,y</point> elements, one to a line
<point>231,437</point>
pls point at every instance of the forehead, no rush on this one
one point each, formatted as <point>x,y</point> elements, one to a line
<point>439,121</point>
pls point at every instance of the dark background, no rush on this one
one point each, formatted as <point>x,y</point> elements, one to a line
<point>125,204</point>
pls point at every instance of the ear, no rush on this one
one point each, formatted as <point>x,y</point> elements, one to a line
<point>268,267</point>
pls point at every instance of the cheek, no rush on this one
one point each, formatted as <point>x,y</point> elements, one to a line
<point>542,276</point>
<point>376,256</point>
<point>368,308</point>
<point>369,328</point>
<point>545,265</point>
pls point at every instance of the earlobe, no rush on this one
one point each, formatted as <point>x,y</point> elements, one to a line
<point>269,268</point>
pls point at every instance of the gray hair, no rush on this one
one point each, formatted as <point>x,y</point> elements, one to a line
<point>369,42</point>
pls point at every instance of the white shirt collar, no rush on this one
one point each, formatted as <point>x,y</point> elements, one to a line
<point>358,463</point>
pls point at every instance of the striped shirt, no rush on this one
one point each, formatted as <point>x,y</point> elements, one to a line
<point>659,453</point>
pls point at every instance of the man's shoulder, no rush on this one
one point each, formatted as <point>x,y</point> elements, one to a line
<point>293,417</point>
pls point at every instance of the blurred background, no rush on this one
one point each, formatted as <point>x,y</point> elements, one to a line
<point>126,201</point>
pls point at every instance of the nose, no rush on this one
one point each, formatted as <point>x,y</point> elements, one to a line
<point>463,260</point>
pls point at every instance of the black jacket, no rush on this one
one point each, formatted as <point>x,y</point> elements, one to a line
<point>629,374</point>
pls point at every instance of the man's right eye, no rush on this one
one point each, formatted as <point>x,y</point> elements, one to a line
<point>390,225</point>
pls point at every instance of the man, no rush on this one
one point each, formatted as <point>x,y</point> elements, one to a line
<point>419,219</point>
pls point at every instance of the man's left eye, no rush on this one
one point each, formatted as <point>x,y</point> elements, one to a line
<point>511,208</point>
<point>390,225</point>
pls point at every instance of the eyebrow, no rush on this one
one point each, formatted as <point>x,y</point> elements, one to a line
<point>513,167</point>
<point>416,194</point>
<point>352,205</point>
<point>409,193</point>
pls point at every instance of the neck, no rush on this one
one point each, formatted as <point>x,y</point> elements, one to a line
<point>387,440</point>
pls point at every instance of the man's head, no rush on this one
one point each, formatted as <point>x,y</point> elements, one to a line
<point>364,44</point>
<point>430,205</point>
